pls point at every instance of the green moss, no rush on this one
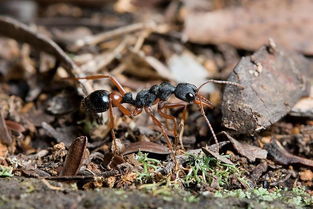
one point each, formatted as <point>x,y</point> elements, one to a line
<point>5,171</point>
<point>296,197</point>
<point>204,170</point>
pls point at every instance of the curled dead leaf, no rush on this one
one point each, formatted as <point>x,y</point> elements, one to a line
<point>77,153</point>
<point>281,155</point>
<point>249,151</point>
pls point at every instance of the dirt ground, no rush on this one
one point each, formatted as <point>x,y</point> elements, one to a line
<point>33,193</point>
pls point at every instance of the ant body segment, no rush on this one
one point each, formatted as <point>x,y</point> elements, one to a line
<point>103,100</point>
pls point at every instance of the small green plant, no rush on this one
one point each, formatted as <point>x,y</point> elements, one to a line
<point>205,170</point>
<point>5,171</point>
<point>149,165</point>
<point>191,198</point>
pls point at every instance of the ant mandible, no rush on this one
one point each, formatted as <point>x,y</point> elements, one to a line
<point>102,100</point>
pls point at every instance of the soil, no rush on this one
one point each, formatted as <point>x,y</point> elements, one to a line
<point>33,193</point>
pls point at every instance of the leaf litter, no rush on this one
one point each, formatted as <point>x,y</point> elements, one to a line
<point>45,132</point>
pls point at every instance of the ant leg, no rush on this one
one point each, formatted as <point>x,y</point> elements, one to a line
<point>112,127</point>
<point>113,80</point>
<point>158,123</point>
<point>116,100</point>
<point>136,111</point>
<point>204,101</point>
<point>169,144</point>
<point>164,106</point>
<point>182,126</point>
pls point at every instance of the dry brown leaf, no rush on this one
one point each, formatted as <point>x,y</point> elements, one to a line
<point>209,151</point>
<point>111,161</point>
<point>144,146</point>
<point>249,151</point>
<point>77,153</point>
<point>14,126</point>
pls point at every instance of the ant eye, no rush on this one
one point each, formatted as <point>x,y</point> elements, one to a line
<point>190,97</point>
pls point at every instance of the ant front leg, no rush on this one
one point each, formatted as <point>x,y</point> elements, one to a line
<point>164,106</point>
<point>115,100</point>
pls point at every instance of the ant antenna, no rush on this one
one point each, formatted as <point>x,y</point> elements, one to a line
<point>220,82</point>
<point>208,122</point>
<point>204,100</point>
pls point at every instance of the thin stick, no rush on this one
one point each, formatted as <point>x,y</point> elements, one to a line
<point>101,37</point>
<point>103,60</point>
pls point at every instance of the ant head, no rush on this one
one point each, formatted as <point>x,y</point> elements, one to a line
<point>186,92</point>
<point>97,101</point>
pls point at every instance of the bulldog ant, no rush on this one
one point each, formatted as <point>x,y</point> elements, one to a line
<point>102,100</point>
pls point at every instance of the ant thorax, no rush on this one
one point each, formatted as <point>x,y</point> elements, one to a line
<point>147,97</point>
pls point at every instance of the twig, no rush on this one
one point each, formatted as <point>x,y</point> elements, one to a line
<point>102,60</point>
<point>51,186</point>
<point>101,37</point>
<point>158,66</point>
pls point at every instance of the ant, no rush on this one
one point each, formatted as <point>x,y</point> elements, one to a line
<point>102,100</point>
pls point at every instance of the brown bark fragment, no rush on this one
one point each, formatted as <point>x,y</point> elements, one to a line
<point>273,79</point>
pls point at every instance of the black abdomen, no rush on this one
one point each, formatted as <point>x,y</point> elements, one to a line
<point>97,101</point>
